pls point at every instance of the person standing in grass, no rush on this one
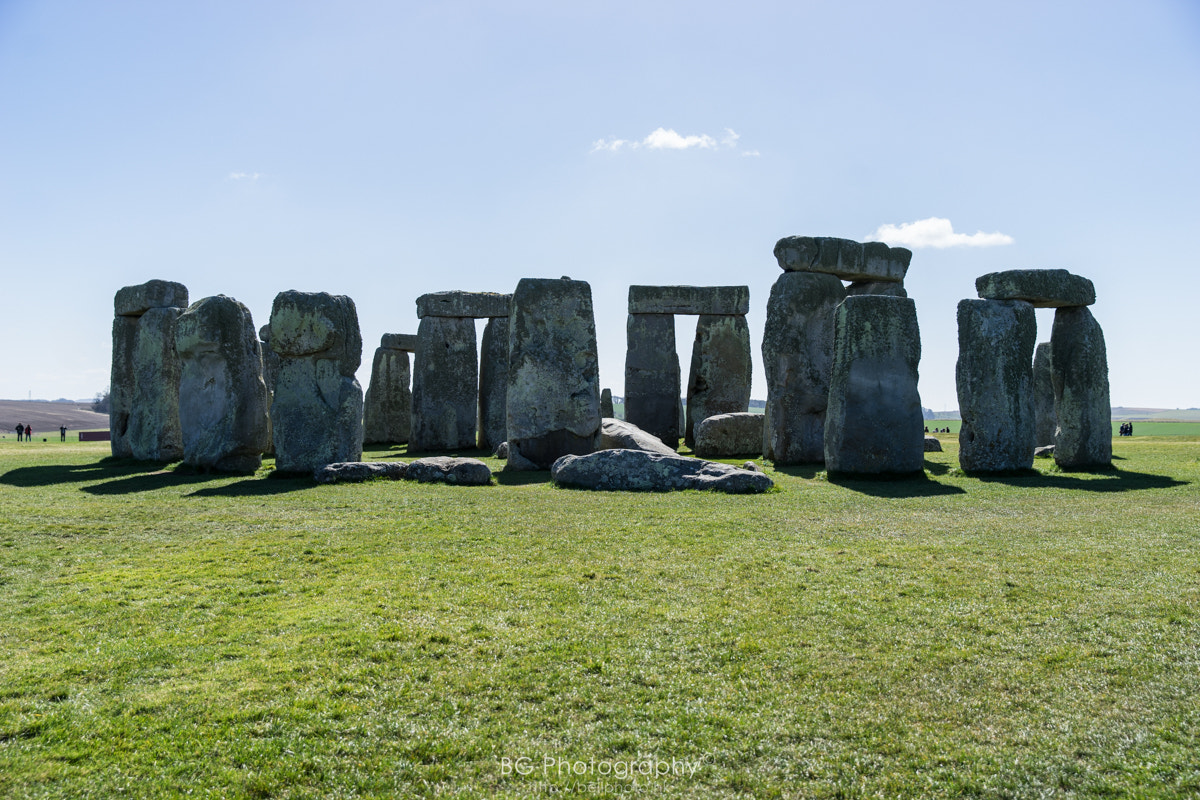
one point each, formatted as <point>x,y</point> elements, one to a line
<point>62,433</point>
<point>28,434</point>
<point>20,430</point>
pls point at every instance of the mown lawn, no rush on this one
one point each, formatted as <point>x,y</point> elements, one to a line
<point>168,634</point>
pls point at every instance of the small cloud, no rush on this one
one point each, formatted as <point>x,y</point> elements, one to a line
<point>753,153</point>
<point>244,176</point>
<point>934,232</point>
<point>663,139</point>
<point>730,139</point>
<point>670,139</point>
<point>612,145</point>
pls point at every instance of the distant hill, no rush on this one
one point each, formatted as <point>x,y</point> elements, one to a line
<point>1156,414</point>
<point>45,418</point>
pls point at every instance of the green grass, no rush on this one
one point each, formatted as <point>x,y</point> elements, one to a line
<point>1026,636</point>
<point>1139,428</point>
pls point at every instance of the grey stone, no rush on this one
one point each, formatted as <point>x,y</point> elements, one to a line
<point>1044,451</point>
<point>606,404</point>
<point>477,305</point>
<point>729,435</point>
<point>317,410</point>
<point>797,352</point>
<point>445,389</point>
<point>270,373</point>
<point>618,434</point>
<point>994,377</point>
<point>222,395</point>
<point>387,406</point>
<point>874,424</point>
<point>719,379</point>
<point>501,451</point>
<point>1045,421</point>
<point>1043,288</point>
<point>639,471</point>
<point>121,389</point>
<point>652,383</point>
<point>721,300</point>
<point>152,430</point>
<point>399,341</point>
<point>133,301</point>
<point>1079,370</point>
<point>493,384</point>
<point>553,372</point>
<point>359,471</point>
<point>750,466</point>
<point>847,259</point>
<point>890,288</point>
<point>933,444</point>
<point>447,469</point>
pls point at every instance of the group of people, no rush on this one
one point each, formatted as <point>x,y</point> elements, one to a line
<point>25,433</point>
<point>938,430</point>
<point>1126,429</point>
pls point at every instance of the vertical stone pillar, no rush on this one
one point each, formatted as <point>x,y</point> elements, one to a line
<point>720,374</point>
<point>493,385</point>
<point>606,404</point>
<point>387,406</point>
<point>1079,370</point>
<point>121,384</point>
<point>1044,419</point>
<point>270,368</point>
<point>652,376</point>
<point>445,389</point>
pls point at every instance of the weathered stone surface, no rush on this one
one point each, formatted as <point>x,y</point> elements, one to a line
<point>1044,451</point>
<point>133,301</point>
<point>476,305</point>
<point>121,389</point>
<point>847,259</point>
<point>750,466</point>
<point>553,373</point>
<point>893,289</point>
<point>797,351</point>
<point>729,435</point>
<point>639,471</point>
<point>874,423</point>
<point>501,451</point>
<point>652,381</point>
<point>445,389</point>
<point>1079,370</point>
<point>1045,422</point>
<point>932,444</point>
<point>152,432</point>
<point>387,406</point>
<point>719,379</point>
<point>270,373</point>
<point>618,434</point>
<point>721,300</point>
<point>493,384</point>
<point>317,410</point>
<point>399,341</point>
<point>447,469</point>
<point>606,404</point>
<point>995,384</point>
<point>359,471</point>
<point>222,395</point>
<point>1043,288</point>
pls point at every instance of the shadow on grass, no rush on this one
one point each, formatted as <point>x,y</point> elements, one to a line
<point>915,485</point>
<point>257,487</point>
<point>806,471</point>
<point>515,477</point>
<point>148,482</point>
<point>75,473</point>
<point>1110,480</point>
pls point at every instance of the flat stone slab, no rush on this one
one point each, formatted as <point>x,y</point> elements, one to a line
<point>729,435</point>
<point>399,341</point>
<point>449,469</point>
<point>638,471</point>
<point>692,300</point>
<point>1045,451</point>
<point>1042,288</point>
<point>617,434</point>
<point>475,305</point>
<point>133,301</point>
<point>845,258</point>
<point>359,471</point>
<point>932,444</point>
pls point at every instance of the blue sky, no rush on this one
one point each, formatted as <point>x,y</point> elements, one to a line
<point>385,150</point>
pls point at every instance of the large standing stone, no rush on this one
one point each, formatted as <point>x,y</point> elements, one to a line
<point>995,384</point>
<point>652,381</point>
<point>1079,369</point>
<point>1044,419</point>
<point>606,404</point>
<point>845,258</point>
<point>387,406</point>
<point>318,407</point>
<point>719,379</point>
<point>270,373</point>
<point>222,395</point>
<point>553,373</point>
<point>493,385</point>
<point>1044,288</point>
<point>797,353</point>
<point>874,423</point>
<point>121,388</point>
<point>445,385</point>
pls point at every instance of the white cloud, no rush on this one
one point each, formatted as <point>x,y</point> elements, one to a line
<point>244,176</point>
<point>934,232</point>
<point>663,139</point>
<point>670,139</point>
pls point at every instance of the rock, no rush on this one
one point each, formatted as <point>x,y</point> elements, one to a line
<point>222,395</point>
<point>876,287</point>
<point>359,471</point>
<point>729,435</point>
<point>750,466</point>
<point>501,450</point>
<point>1044,451</point>
<point>270,373</point>
<point>618,434</point>
<point>932,444</point>
<point>874,424</point>
<point>606,404</point>
<point>639,471</point>
<point>1043,288</point>
<point>1045,421</point>
<point>719,378</point>
<point>133,301</point>
<point>317,411</point>
<point>652,384</point>
<point>447,469</point>
<point>445,390</point>
<point>995,384</point>
<point>476,305</point>
<point>399,341</point>
<point>721,300</point>
<point>797,352</point>
<point>847,259</point>
<point>387,406</point>
<point>1079,370</point>
<point>121,390</point>
<point>553,372</point>
<point>493,385</point>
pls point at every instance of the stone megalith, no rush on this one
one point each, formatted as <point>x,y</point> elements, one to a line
<point>860,262</point>
<point>1079,372</point>
<point>318,407</point>
<point>797,351</point>
<point>1044,419</point>
<point>874,424</point>
<point>222,395</point>
<point>606,404</point>
<point>144,394</point>
<point>493,385</point>
<point>553,373</point>
<point>994,377</point>
<point>729,435</point>
<point>445,388</point>
<point>387,405</point>
<point>719,378</point>
<point>652,383</point>
<point>270,367</point>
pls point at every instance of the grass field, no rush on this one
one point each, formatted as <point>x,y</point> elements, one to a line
<point>1025,636</point>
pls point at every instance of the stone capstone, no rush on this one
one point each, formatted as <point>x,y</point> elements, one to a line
<point>719,379</point>
<point>387,406</point>
<point>1045,422</point>
<point>652,382</point>
<point>447,469</point>
<point>445,390</point>
<point>399,341</point>
<point>476,305</point>
<point>133,301</point>
<point>1042,288</point>
<point>359,471</point>
<point>493,385</point>
<point>729,435</point>
<point>639,471</point>
<point>1079,372</point>
<point>876,287</point>
<point>723,300</point>
<point>317,325</point>
<point>618,434</point>
<point>847,259</point>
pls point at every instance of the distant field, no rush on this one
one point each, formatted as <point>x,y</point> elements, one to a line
<point>1139,428</point>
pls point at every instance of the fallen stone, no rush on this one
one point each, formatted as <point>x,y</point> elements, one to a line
<point>1042,288</point>
<point>1079,371</point>
<point>1045,421</point>
<point>445,389</point>
<point>719,378</point>
<point>501,450</point>
<point>387,405</point>
<point>618,434</point>
<point>723,300</point>
<point>750,466</point>
<point>933,444</point>
<point>475,305</point>
<point>1044,451</point>
<point>493,385</point>
<point>399,341</point>
<point>133,301</point>
<point>652,382</point>
<point>845,258</point>
<point>448,469</point>
<point>359,471</point>
<point>639,471</point>
<point>730,435</point>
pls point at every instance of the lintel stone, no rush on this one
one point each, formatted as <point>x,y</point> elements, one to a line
<point>475,305</point>
<point>399,341</point>
<point>1041,288</point>
<point>845,258</point>
<point>694,300</point>
<point>133,301</point>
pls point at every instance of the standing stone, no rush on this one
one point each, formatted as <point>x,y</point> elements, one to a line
<point>318,408</point>
<point>493,385</point>
<point>270,368</point>
<point>1079,370</point>
<point>121,388</point>
<point>606,404</point>
<point>445,388</point>
<point>874,423</point>
<point>1044,419</point>
<point>554,376</point>
<point>719,379</point>
<point>995,384</point>
<point>222,395</point>
<point>387,406</point>
<point>797,351</point>
<point>652,376</point>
